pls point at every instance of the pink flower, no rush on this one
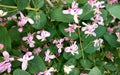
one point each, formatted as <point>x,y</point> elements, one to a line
<point>43,35</point>
<point>1,46</point>
<point>71,28</point>
<point>83,74</point>
<point>29,39</point>
<point>37,51</point>
<point>6,65</point>
<point>98,43</point>
<point>68,69</point>
<point>112,1</point>
<point>92,2</point>
<point>75,11</point>
<point>59,44</point>
<point>20,29</point>
<point>89,29</point>
<point>48,57</point>
<point>24,20</point>
<point>47,72</point>
<point>7,56</point>
<point>73,49</point>
<point>118,36</point>
<point>27,57</point>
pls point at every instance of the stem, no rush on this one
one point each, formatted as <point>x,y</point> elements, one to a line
<point>15,7</point>
<point>50,3</point>
<point>80,42</point>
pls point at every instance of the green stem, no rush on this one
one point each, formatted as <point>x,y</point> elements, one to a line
<point>15,7</point>
<point>80,42</point>
<point>50,3</point>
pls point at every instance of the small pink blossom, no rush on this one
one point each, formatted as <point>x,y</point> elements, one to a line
<point>29,39</point>
<point>112,1</point>
<point>24,20</point>
<point>7,56</point>
<point>47,72</point>
<point>75,11</point>
<point>92,2</point>
<point>1,46</point>
<point>98,43</point>
<point>6,65</point>
<point>118,36</point>
<point>83,74</point>
<point>59,44</point>
<point>48,57</point>
<point>68,69</point>
<point>73,49</point>
<point>20,29</point>
<point>43,35</point>
<point>110,30</point>
<point>71,28</point>
<point>37,51</point>
<point>27,57</point>
<point>89,29</point>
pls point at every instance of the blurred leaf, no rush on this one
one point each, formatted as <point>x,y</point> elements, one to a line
<point>110,66</point>
<point>100,31</point>
<point>22,4</point>
<point>71,61</point>
<point>95,71</point>
<point>75,71</point>
<point>36,65</point>
<point>85,63</point>
<point>87,12</point>
<point>104,14</point>
<point>38,3</point>
<point>20,72</point>
<point>5,38</point>
<point>90,49</point>
<point>62,26</point>
<point>57,15</point>
<point>82,1</point>
<point>111,39</point>
<point>112,9</point>
<point>39,19</point>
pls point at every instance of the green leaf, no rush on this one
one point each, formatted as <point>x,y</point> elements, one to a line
<point>90,49</point>
<point>75,71</point>
<point>86,63</point>
<point>71,61</point>
<point>111,39</point>
<point>14,34</point>
<point>69,1</point>
<point>5,38</point>
<point>38,3</point>
<point>62,27</point>
<point>82,1</point>
<point>39,19</point>
<point>22,4</point>
<point>110,66</point>
<point>36,65</point>
<point>20,72</point>
<point>101,30</point>
<point>57,15</point>
<point>95,71</point>
<point>112,9</point>
<point>87,12</point>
